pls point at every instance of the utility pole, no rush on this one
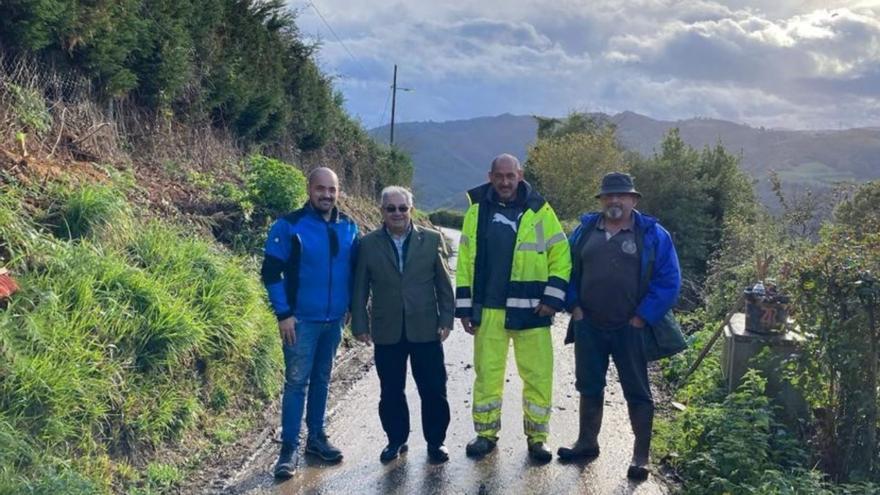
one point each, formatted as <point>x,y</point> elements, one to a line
<point>394,90</point>
<point>393,103</point>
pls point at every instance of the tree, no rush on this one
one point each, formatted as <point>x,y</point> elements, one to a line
<point>567,168</point>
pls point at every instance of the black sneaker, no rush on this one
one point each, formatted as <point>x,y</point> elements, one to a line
<point>392,451</point>
<point>438,453</point>
<point>539,453</point>
<point>479,447</point>
<point>287,460</point>
<point>319,445</point>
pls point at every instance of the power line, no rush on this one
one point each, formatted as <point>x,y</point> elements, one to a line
<point>385,108</point>
<point>348,51</point>
<point>330,28</point>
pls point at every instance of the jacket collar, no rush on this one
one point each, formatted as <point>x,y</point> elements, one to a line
<point>640,220</point>
<point>526,195</point>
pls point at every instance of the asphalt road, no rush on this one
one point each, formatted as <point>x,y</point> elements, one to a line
<point>353,425</point>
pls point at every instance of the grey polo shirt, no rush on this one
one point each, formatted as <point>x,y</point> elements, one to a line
<point>609,285</point>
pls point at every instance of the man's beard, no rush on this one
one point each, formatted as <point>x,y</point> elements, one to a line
<point>614,212</point>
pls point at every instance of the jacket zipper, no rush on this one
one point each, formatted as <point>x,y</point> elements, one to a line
<point>329,272</point>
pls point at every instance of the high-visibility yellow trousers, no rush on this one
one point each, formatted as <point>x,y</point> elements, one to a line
<point>533,351</point>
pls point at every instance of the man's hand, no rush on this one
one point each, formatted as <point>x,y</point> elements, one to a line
<point>364,337</point>
<point>468,325</point>
<point>544,310</point>
<point>443,333</point>
<point>577,314</point>
<point>287,329</point>
<point>637,322</point>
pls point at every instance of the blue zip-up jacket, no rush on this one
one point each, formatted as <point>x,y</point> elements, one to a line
<point>659,261</point>
<point>308,265</point>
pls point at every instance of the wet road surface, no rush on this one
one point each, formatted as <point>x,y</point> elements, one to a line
<point>353,425</point>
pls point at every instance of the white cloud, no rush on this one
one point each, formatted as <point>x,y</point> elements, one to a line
<point>781,63</point>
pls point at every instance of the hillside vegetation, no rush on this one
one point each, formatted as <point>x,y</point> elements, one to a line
<point>144,148</point>
<point>450,157</point>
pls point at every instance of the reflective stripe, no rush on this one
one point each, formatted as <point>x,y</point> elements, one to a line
<point>554,292</point>
<point>515,302</point>
<point>531,426</point>
<point>495,425</point>
<point>481,408</point>
<point>464,240</point>
<point>463,303</point>
<point>560,237</point>
<point>539,245</point>
<point>536,409</point>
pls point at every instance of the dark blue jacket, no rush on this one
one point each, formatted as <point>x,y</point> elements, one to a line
<point>660,276</point>
<point>308,265</point>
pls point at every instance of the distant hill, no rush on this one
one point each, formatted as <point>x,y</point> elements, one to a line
<point>452,156</point>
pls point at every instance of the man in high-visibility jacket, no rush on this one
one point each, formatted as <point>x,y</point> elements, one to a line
<point>513,269</point>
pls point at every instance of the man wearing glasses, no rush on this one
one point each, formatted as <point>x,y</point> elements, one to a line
<point>400,269</point>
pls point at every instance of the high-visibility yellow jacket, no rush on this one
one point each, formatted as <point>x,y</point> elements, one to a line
<point>541,261</point>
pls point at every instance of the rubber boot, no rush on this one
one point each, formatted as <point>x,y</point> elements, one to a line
<point>641,417</point>
<point>587,444</point>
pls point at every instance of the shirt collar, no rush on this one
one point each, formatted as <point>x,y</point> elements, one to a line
<point>406,234</point>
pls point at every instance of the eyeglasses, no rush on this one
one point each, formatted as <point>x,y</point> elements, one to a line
<point>400,208</point>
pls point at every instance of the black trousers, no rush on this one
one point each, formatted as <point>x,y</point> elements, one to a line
<point>626,345</point>
<point>429,373</point>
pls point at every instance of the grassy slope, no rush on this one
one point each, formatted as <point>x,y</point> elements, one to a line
<point>128,335</point>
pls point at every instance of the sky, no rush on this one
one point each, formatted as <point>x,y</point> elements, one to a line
<point>774,63</point>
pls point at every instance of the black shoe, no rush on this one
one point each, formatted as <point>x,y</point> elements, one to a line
<point>438,453</point>
<point>286,464</point>
<point>539,453</point>
<point>637,473</point>
<point>479,447</point>
<point>577,453</point>
<point>392,451</point>
<point>319,445</point>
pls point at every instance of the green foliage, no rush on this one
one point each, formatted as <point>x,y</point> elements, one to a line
<point>574,123</point>
<point>734,445</point>
<point>121,341</point>
<point>274,186</point>
<point>29,108</point>
<point>567,168</point>
<point>693,193</point>
<point>862,212</point>
<point>86,211</point>
<point>447,218</point>
<point>241,62</point>
<point>837,295</point>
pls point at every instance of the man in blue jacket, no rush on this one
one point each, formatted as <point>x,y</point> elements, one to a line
<point>307,272</point>
<point>625,278</point>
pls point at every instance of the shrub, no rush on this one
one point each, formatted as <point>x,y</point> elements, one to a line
<point>274,186</point>
<point>447,218</point>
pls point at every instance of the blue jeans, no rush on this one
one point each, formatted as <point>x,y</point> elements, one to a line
<point>307,365</point>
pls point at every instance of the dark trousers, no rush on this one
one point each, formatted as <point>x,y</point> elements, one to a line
<point>626,345</point>
<point>429,373</point>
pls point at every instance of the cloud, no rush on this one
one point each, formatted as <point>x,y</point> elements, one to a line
<point>781,63</point>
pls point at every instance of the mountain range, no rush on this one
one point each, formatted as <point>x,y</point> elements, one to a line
<point>450,157</point>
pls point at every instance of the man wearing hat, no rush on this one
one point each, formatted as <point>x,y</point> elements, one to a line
<point>625,278</point>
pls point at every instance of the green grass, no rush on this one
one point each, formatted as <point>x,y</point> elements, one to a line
<point>126,335</point>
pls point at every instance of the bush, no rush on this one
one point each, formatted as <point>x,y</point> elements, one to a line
<point>447,218</point>
<point>274,187</point>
